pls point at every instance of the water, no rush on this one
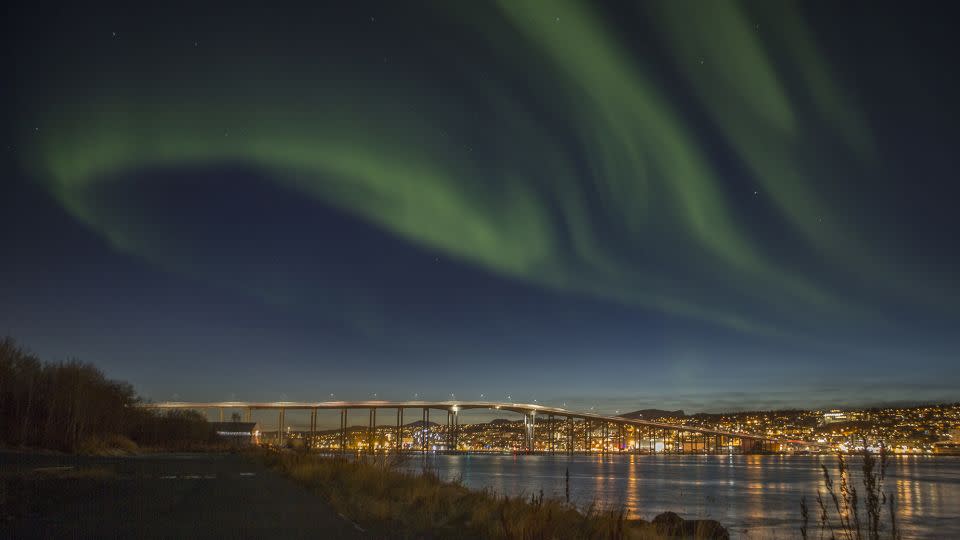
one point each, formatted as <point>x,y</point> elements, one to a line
<point>755,497</point>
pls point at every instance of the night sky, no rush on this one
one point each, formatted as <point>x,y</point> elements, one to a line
<point>698,205</point>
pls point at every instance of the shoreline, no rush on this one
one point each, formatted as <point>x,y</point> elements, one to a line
<point>383,493</point>
<point>779,516</point>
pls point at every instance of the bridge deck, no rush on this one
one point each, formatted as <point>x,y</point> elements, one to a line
<point>521,408</point>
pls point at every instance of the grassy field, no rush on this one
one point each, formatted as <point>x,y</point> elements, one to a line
<point>390,500</point>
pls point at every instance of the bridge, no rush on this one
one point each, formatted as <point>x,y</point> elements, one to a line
<point>565,431</point>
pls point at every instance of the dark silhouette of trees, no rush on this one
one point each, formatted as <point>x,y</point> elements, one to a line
<point>62,405</point>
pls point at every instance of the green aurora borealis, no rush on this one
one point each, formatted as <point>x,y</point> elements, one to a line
<point>707,161</point>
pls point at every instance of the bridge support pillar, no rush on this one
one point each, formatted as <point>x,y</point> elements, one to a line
<point>529,423</point>
<point>605,430</point>
<point>550,433</point>
<point>586,437</point>
<point>399,435</point>
<point>425,431</point>
<point>452,445</point>
<point>372,430</point>
<point>451,438</point>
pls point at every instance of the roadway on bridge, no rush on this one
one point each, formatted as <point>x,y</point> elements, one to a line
<point>451,406</point>
<point>161,496</point>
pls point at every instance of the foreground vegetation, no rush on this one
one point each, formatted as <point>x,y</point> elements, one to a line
<point>843,512</point>
<point>73,407</point>
<point>382,495</point>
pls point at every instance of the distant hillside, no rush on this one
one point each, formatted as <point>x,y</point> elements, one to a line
<point>650,414</point>
<point>420,423</point>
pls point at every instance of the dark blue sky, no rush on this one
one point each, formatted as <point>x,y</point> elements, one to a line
<point>748,206</point>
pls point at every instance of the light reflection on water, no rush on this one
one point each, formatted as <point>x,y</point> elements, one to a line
<point>754,496</point>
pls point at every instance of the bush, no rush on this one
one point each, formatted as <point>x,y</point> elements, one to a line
<point>107,445</point>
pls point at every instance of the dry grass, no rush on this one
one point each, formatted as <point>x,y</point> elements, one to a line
<point>845,513</point>
<point>380,495</point>
<point>107,445</point>
<point>117,445</point>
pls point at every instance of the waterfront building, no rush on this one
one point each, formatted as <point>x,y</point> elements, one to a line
<point>239,433</point>
<point>834,417</point>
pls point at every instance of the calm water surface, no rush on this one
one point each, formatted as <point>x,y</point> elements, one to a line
<point>756,497</point>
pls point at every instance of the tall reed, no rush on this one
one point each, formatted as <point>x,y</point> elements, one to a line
<point>843,515</point>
